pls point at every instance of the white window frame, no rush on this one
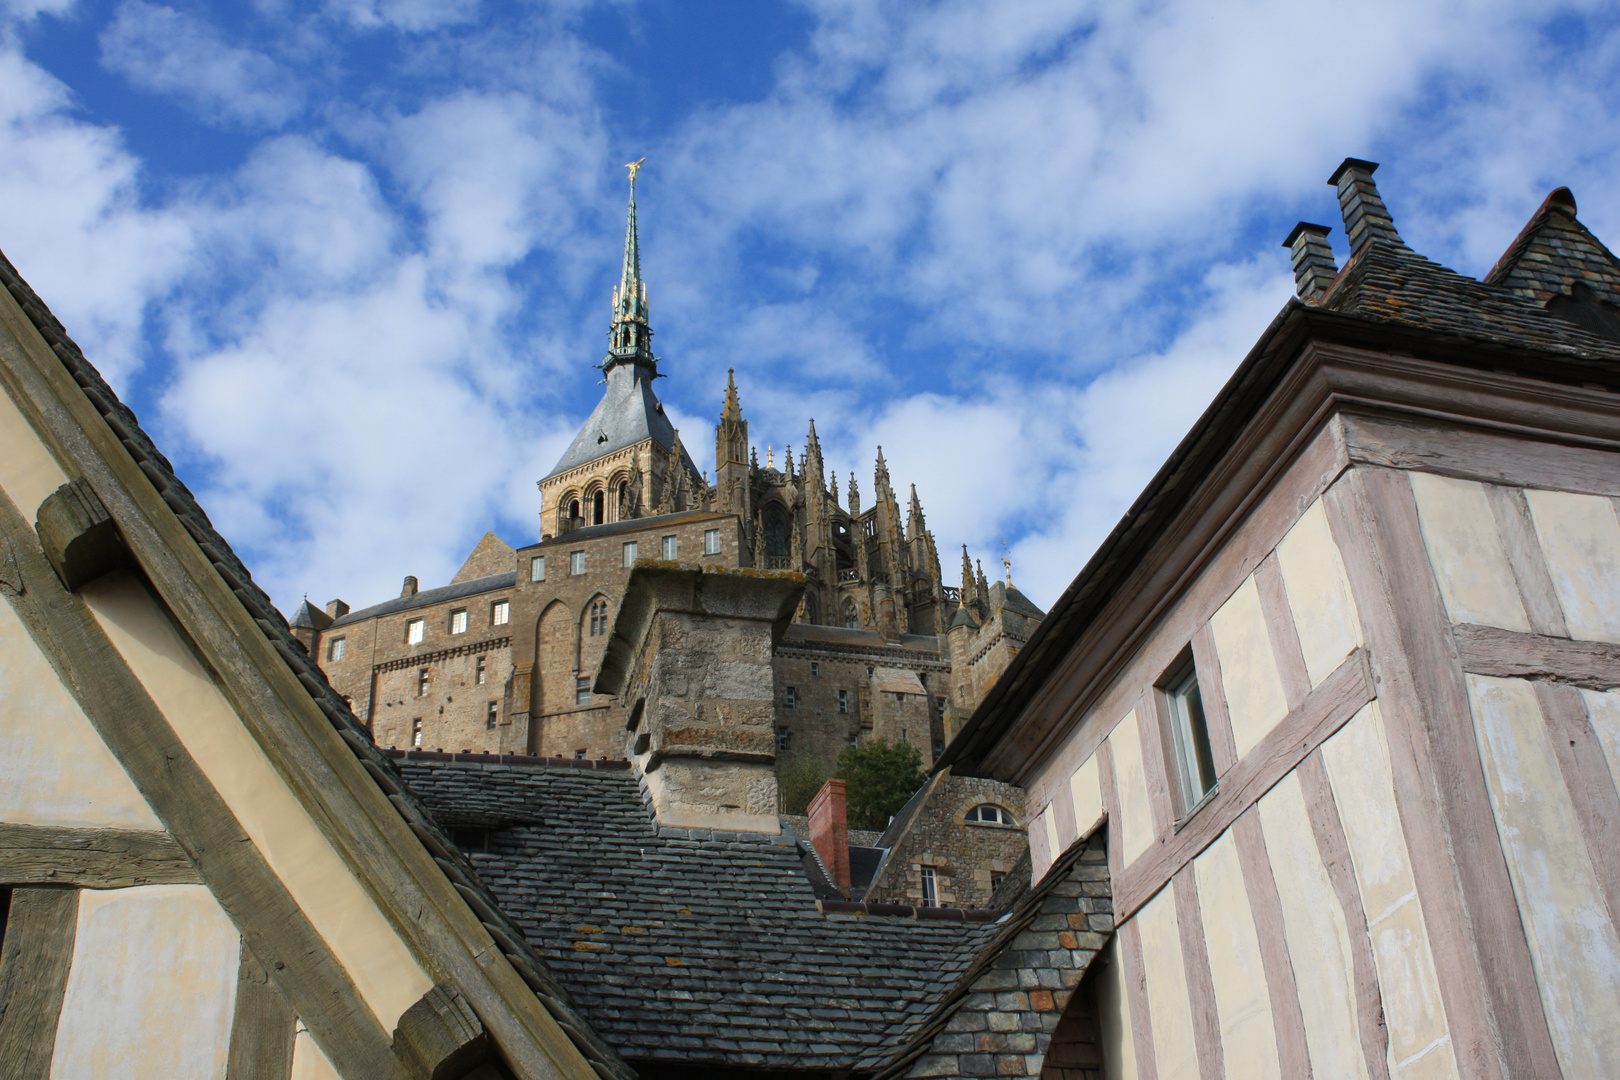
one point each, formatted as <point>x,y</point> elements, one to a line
<point>576,563</point>
<point>669,547</point>
<point>481,670</point>
<point>458,621</point>
<point>711,541</point>
<point>790,697</point>
<point>500,613</point>
<point>416,733</point>
<point>629,550</point>
<point>492,716</point>
<point>930,887</point>
<point>537,568</point>
<point>582,692</point>
<point>336,649</point>
<point>843,701</point>
<point>415,631</point>
<point>1189,729</point>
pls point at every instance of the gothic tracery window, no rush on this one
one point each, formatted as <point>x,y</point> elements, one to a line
<point>776,534</point>
<point>599,618</point>
<point>852,615</point>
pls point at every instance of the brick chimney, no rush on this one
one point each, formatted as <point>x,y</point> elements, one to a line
<point>1314,268</point>
<point>829,831</point>
<point>336,609</point>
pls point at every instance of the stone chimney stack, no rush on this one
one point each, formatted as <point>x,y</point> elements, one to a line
<point>1366,218</point>
<point>410,586</point>
<point>336,609</point>
<point>1314,268</point>
<point>829,831</point>
<point>690,655</point>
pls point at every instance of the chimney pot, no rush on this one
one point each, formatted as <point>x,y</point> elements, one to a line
<point>829,831</point>
<point>1314,268</point>
<point>410,586</point>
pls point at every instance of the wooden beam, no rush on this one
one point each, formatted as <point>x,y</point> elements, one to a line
<point>139,736</point>
<point>1328,708</point>
<point>262,1029</point>
<point>34,966</point>
<point>1478,942</point>
<point>1488,650</point>
<point>1206,1021</point>
<point>91,858</point>
<point>1287,1018</point>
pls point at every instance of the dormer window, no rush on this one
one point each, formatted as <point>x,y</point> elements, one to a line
<point>988,814</point>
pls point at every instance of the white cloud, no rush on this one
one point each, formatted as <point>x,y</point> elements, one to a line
<point>411,16</point>
<point>71,219</point>
<point>169,52</point>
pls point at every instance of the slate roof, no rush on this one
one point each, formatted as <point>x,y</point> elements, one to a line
<point>696,948</point>
<point>158,470</point>
<point>629,525</point>
<point>628,413</point>
<point>429,597</point>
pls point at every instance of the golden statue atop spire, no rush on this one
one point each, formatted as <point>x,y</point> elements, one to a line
<point>634,167</point>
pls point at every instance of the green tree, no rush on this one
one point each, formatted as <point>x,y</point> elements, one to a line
<point>798,784</point>
<point>879,776</point>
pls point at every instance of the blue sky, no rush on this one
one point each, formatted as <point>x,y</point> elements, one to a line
<point>351,261</point>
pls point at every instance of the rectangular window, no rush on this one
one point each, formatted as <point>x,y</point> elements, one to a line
<point>423,681</point>
<point>414,631</point>
<point>483,665</point>
<point>669,548</point>
<point>492,716</point>
<point>458,621</point>
<point>711,541</point>
<point>996,878</point>
<point>815,669</point>
<point>580,753</point>
<point>537,568</point>
<point>576,563</point>
<point>500,613</point>
<point>790,697</point>
<point>336,650</point>
<point>930,896</point>
<point>1195,765</point>
<point>416,732</point>
<point>582,692</point>
<point>843,701</point>
<point>630,553</point>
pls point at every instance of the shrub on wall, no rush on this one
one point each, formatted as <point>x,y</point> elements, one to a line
<point>798,784</point>
<point>879,776</point>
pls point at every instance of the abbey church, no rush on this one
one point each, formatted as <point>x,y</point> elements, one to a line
<point>502,659</point>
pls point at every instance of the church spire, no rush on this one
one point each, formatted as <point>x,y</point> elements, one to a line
<point>732,409</point>
<point>630,338</point>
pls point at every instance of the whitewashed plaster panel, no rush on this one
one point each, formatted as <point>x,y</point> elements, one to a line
<point>1254,691</point>
<point>1242,1000</point>
<point>1130,780</point>
<point>1169,1008</point>
<point>1580,537</point>
<point>1318,594</point>
<point>1466,552</point>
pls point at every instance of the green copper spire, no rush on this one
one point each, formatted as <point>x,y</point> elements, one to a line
<point>630,338</point>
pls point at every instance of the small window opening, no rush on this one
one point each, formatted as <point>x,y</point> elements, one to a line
<point>492,716</point>
<point>576,563</point>
<point>469,837</point>
<point>599,618</point>
<point>930,898</point>
<point>537,568</point>
<point>416,732</point>
<point>458,621</point>
<point>815,669</point>
<point>582,694</point>
<point>599,508</point>
<point>423,682</point>
<point>414,631</point>
<point>711,541</point>
<point>843,701</point>
<point>790,697</point>
<point>669,548</point>
<point>630,549</point>
<point>336,650</point>
<point>580,753</point>
<point>852,617</point>
<point>483,667</point>
<point>500,613</point>
<point>989,814</point>
<point>1195,764</point>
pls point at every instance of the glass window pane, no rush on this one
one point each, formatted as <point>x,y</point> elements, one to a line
<point>537,568</point>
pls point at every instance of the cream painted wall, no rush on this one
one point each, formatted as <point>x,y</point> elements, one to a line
<point>1318,593</point>
<point>382,967</point>
<point>1580,537</point>
<point>1466,551</point>
<point>1114,1015</point>
<point>1603,709</point>
<point>1053,848</point>
<point>152,988</point>
<point>1130,778</point>
<point>309,1063</point>
<point>1572,936</point>
<point>55,769</point>
<point>1318,938</point>
<point>1242,1001</point>
<point>1085,792</point>
<point>1357,760</point>
<point>1254,691</point>
<point>1169,1009</point>
<point>28,471</point>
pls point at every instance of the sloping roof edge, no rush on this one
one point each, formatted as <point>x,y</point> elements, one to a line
<point>255,604</point>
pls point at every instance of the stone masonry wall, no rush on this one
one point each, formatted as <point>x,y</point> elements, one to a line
<point>968,858</point>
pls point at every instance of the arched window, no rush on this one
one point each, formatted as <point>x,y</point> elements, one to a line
<point>599,508</point>
<point>989,814</point>
<point>852,615</point>
<point>599,618</point>
<point>776,534</point>
<point>812,610</point>
<point>573,509</point>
